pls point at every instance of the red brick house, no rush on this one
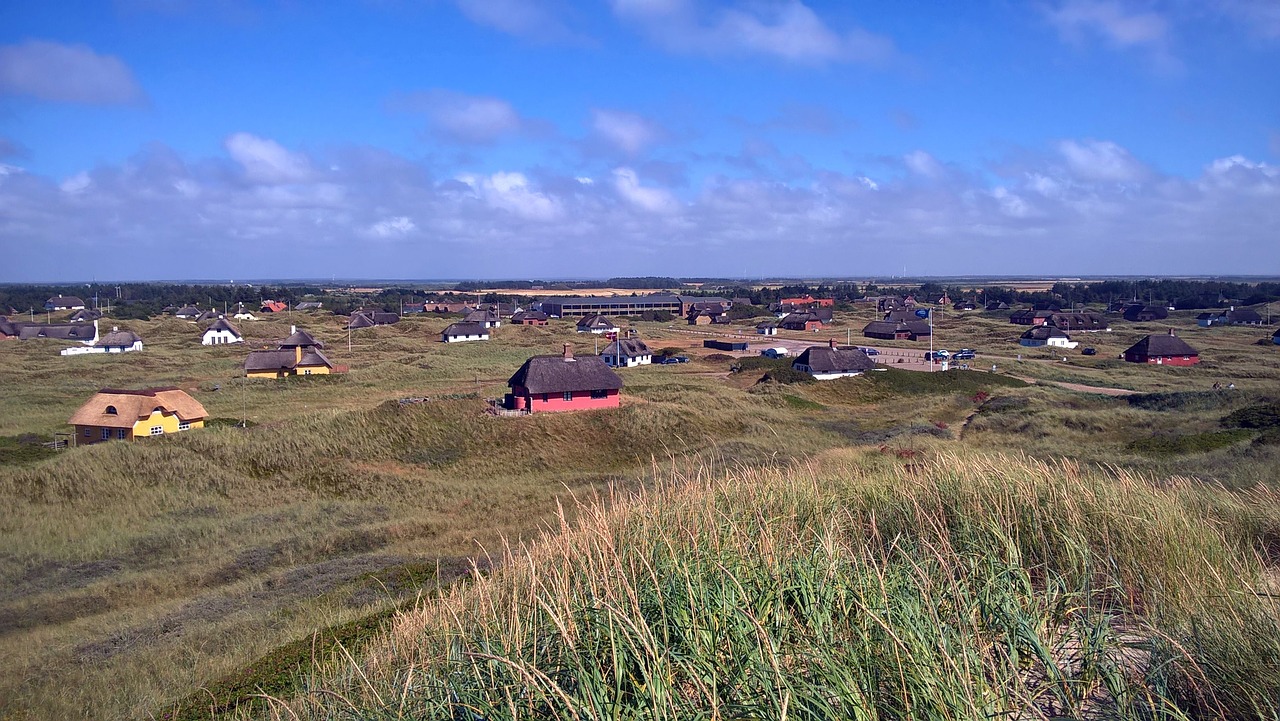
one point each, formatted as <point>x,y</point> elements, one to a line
<point>1161,349</point>
<point>808,301</point>
<point>274,306</point>
<point>563,383</point>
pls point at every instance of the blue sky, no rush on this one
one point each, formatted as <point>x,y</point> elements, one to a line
<point>482,138</point>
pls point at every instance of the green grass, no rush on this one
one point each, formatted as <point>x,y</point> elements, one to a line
<point>1190,443</point>
<point>967,588</point>
<point>133,575</point>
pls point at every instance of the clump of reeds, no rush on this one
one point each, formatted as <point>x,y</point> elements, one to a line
<point>964,588</point>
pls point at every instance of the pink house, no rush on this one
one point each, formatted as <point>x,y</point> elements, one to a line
<point>563,383</point>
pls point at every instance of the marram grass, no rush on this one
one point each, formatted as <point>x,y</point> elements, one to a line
<point>965,588</point>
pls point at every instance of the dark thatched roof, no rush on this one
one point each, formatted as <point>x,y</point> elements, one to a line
<point>1044,332</point>
<point>223,324</point>
<point>631,348</point>
<point>557,374</point>
<point>465,329</point>
<point>301,338</point>
<point>825,359</point>
<point>118,338</point>
<point>1161,345</point>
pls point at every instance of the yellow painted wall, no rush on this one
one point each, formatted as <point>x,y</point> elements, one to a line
<point>261,374</point>
<point>316,370</point>
<point>169,422</point>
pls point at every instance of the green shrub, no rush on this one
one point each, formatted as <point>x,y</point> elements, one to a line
<point>1180,400</point>
<point>786,376</point>
<point>1189,443</point>
<point>1260,416</point>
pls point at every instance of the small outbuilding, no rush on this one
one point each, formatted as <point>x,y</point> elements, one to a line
<point>627,353</point>
<point>596,324</point>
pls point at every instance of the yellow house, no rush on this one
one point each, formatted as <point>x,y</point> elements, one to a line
<point>126,415</point>
<point>298,355</point>
<point>296,361</point>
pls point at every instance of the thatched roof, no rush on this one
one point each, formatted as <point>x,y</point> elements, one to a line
<point>457,329</point>
<point>1161,345</point>
<point>826,359</point>
<point>223,324</point>
<point>558,374</point>
<point>132,406</point>
<point>118,338</point>
<point>301,338</point>
<point>1044,332</point>
<point>631,348</point>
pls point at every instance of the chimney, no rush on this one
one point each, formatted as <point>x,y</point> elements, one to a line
<point>1170,331</point>
<point>832,342</point>
<point>293,329</point>
<point>568,352</point>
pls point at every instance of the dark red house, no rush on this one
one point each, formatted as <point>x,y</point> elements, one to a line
<point>1163,349</point>
<point>563,383</point>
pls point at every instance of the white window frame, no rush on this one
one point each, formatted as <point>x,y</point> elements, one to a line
<point>157,430</point>
<point>184,426</point>
<point>106,434</point>
<point>121,434</point>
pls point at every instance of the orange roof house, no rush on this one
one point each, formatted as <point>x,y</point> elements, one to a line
<point>127,415</point>
<point>274,306</point>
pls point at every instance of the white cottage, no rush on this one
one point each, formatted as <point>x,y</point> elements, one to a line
<point>221,332</point>
<point>627,353</point>
<point>460,332</point>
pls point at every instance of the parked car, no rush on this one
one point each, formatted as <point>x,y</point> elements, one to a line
<point>938,355</point>
<point>869,351</point>
<point>965,354</point>
<point>673,359</point>
<point>1089,351</point>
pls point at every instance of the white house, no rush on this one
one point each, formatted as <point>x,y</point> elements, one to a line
<point>767,328</point>
<point>1046,335</point>
<point>828,362</point>
<point>460,332</point>
<point>597,324</point>
<point>627,353</point>
<point>487,318</point>
<point>117,341</point>
<point>220,333</point>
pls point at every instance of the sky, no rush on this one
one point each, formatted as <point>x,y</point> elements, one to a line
<point>435,139</point>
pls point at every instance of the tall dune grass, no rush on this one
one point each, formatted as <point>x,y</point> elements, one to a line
<point>968,588</point>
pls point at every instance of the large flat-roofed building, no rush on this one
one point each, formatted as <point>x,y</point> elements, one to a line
<point>623,305</point>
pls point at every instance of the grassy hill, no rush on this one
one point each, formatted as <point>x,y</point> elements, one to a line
<point>139,577</point>
<point>965,587</point>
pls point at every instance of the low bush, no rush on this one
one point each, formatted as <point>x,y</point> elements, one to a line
<point>1180,400</point>
<point>1260,416</point>
<point>786,376</point>
<point>1189,443</point>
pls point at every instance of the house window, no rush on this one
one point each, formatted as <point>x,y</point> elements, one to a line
<point>106,434</point>
<point>122,434</point>
<point>111,410</point>
<point>568,395</point>
<point>306,371</point>
<point>546,397</point>
<point>600,394</point>
<point>87,433</point>
<point>157,430</point>
<point>183,426</point>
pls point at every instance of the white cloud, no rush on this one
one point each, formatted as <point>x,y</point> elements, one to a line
<point>653,200</point>
<point>76,183</point>
<point>628,132</point>
<point>789,30</point>
<point>142,216</point>
<point>532,19</point>
<point>1111,20</point>
<point>922,163</point>
<point>1101,160</point>
<point>266,161</point>
<point>392,227</point>
<point>462,118</point>
<point>66,73</point>
<point>511,192</point>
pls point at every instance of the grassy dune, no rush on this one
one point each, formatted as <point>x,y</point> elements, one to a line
<point>967,587</point>
<point>134,575</point>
